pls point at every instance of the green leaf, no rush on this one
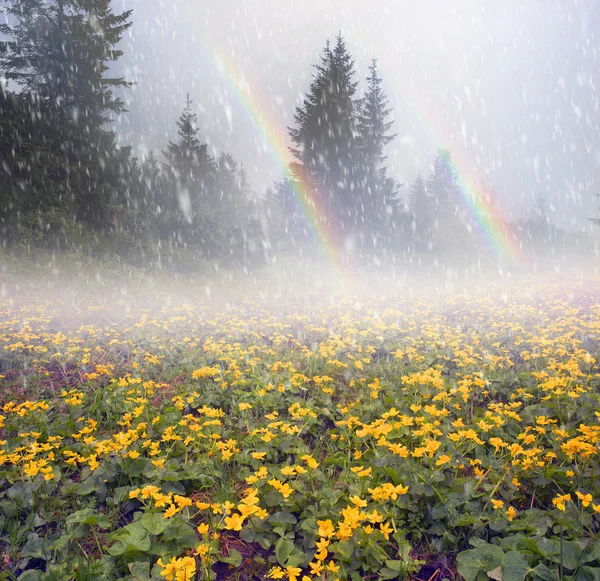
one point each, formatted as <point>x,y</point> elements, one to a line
<point>393,474</point>
<point>31,576</point>
<point>281,519</point>
<point>588,574</point>
<point>551,549</point>
<point>498,525</point>
<point>591,552</point>
<point>283,549</point>
<point>296,558</point>
<point>36,548</point>
<point>140,570</point>
<point>514,566</point>
<point>483,558</point>
<point>347,548</point>
<point>154,523</point>
<point>134,537</point>
<point>273,498</point>
<point>235,558</point>
<point>386,573</point>
<point>87,516</point>
<point>542,573</point>
<point>394,565</point>
<point>439,511</point>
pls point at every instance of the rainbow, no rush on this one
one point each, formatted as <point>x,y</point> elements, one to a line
<point>481,203</point>
<point>307,197</point>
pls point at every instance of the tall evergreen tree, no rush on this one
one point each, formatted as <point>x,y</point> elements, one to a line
<point>192,167</point>
<point>324,137</point>
<point>541,208</point>
<point>451,226</point>
<point>378,194</point>
<point>189,157</point>
<point>421,210</point>
<point>59,52</point>
<point>595,221</point>
<point>442,187</point>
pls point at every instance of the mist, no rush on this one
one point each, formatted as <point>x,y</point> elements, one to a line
<point>299,290</point>
<point>510,87</point>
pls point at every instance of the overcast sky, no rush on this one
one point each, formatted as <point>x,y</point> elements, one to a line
<point>509,87</point>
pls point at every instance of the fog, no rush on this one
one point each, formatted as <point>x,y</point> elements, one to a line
<point>509,88</point>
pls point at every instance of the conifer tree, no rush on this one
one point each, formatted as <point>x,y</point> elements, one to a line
<point>192,168</point>
<point>421,210</point>
<point>324,137</point>
<point>541,208</point>
<point>378,193</point>
<point>450,225</point>
<point>59,52</point>
<point>189,157</point>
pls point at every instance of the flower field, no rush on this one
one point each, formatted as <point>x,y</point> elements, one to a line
<point>417,435</point>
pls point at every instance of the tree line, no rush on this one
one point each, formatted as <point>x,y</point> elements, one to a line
<point>65,182</point>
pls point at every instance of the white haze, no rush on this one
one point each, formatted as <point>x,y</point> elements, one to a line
<point>510,86</point>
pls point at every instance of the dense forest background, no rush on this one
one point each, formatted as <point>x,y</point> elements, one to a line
<point>67,185</point>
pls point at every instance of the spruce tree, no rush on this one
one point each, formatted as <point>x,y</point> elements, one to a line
<point>541,208</point>
<point>228,185</point>
<point>324,144</point>
<point>193,169</point>
<point>59,52</point>
<point>421,210</point>
<point>377,193</point>
<point>450,225</point>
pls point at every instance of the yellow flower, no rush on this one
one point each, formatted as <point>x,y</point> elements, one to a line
<point>443,459</point>
<point>310,461</point>
<point>497,504</point>
<point>183,569</point>
<point>511,513</point>
<point>293,573</point>
<point>385,529</point>
<point>276,573</point>
<point>234,522</point>
<point>358,501</point>
<point>316,568</point>
<point>288,470</point>
<point>586,499</point>
<point>326,528</point>
<point>560,500</point>
<point>258,455</point>
<point>228,506</point>
<point>205,372</point>
<point>244,406</point>
<point>322,552</point>
<point>286,490</point>
<point>203,528</point>
<point>262,513</point>
<point>182,501</point>
<point>171,511</point>
<point>247,510</point>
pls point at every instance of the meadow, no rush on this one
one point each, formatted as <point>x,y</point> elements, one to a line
<point>410,434</point>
